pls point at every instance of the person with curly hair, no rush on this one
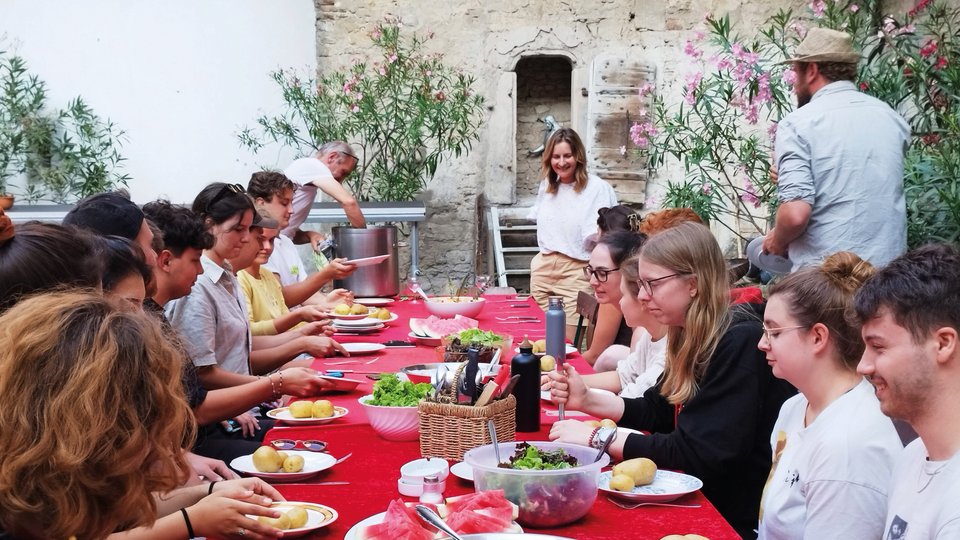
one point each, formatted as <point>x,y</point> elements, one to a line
<point>94,425</point>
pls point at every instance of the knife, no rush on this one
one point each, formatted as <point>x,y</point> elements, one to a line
<point>509,387</point>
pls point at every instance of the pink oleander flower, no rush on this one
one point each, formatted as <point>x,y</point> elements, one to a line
<point>693,82</point>
<point>646,89</point>
<point>724,64</point>
<point>749,194</point>
<point>393,58</point>
<point>789,76</point>
<point>864,86</point>
<point>623,150</point>
<point>799,28</point>
<point>818,7</point>
<point>706,188</point>
<point>692,51</point>
<point>736,49</point>
<point>642,113</point>
<point>889,25</point>
<point>355,108</point>
<point>941,63</point>
<point>382,71</point>
<point>752,113</point>
<point>928,48</point>
<point>907,29</point>
<point>772,131</point>
<point>854,8</point>
<point>698,35</point>
<point>919,7</point>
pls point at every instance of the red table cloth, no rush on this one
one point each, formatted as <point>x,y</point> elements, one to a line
<point>374,468</point>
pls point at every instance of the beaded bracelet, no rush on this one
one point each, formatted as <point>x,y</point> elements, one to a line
<point>273,387</point>
<point>280,393</point>
<point>186,519</point>
<point>592,440</point>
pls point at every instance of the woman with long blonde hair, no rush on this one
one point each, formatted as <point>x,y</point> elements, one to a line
<point>711,413</point>
<point>566,211</point>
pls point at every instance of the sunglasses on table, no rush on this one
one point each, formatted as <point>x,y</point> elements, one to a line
<point>291,444</point>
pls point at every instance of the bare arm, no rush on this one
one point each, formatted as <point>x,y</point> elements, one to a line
<point>608,380</point>
<point>605,332</point>
<point>213,377</point>
<point>792,219</point>
<point>350,206</point>
<point>298,293</point>
<point>268,355</point>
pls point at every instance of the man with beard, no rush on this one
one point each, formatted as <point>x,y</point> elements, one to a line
<point>910,312</point>
<point>839,158</point>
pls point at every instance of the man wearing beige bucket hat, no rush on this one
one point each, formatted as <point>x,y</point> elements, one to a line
<point>839,159</point>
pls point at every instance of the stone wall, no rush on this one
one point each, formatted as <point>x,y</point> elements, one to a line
<point>489,38</point>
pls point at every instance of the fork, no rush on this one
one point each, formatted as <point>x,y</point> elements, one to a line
<point>519,318</point>
<point>631,506</point>
<point>342,459</point>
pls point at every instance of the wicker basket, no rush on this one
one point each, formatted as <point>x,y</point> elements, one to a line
<point>448,430</point>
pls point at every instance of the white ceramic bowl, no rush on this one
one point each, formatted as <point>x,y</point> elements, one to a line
<point>449,306</point>
<point>392,423</point>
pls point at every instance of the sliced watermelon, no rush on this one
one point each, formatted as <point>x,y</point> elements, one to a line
<point>503,515</point>
<point>400,522</point>
<point>493,498</point>
<point>469,522</point>
<point>417,327</point>
<point>471,323</point>
<point>380,531</point>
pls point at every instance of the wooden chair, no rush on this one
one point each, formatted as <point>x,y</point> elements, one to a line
<point>587,308</point>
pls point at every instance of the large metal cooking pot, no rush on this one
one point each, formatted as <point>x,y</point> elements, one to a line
<point>381,279</point>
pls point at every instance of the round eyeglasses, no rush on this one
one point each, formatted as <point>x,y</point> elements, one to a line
<point>648,284</point>
<point>600,273</point>
<point>773,333</point>
<point>290,444</point>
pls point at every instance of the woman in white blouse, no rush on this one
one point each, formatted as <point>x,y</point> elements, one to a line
<point>566,210</point>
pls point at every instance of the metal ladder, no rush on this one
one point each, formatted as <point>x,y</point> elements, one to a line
<point>514,233</point>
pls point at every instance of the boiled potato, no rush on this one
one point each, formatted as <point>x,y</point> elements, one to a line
<point>381,314</point>
<point>342,309</point>
<point>547,363</point>
<point>298,517</point>
<point>359,309</point>
<point>283,455</point>
<point>695,537</point>
<point>322,408</point>
<point>642,470</point>
<point>301,409</point>
<point>606,422</point>
<point>622,482</point>
<point>266,459</point>
<point>282,522</point>
<point>674,537</point>
<point>539,346</point>
<point>293,464</point>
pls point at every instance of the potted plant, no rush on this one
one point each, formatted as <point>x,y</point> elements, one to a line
<point>407,110</point>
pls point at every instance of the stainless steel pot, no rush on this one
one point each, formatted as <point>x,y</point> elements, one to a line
<point>381,279</point>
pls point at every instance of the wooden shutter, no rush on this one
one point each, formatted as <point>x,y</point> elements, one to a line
<point>613,105</point>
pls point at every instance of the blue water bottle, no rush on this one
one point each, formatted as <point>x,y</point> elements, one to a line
<point>557,334</point>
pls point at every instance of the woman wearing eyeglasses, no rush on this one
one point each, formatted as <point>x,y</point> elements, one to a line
<point>833,449</point>
<point>711,412</point>
<point>566,212</point>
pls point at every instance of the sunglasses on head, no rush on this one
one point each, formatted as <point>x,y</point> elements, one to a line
<point>290,444</point>
<point>236,189</point>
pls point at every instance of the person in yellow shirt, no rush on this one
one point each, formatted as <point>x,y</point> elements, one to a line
<point>266,308</point>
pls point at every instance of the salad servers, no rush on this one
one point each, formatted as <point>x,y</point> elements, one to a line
<point>631,506</point>
<point>432,518</point>
<point>493,438</point>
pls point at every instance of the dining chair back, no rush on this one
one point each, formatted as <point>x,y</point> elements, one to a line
<point>587,308</point>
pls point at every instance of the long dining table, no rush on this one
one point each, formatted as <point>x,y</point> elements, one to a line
<point>364,484</point>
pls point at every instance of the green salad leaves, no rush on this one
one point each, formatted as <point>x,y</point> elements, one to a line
<point>530,457</point>
<point>476,335</point>
<point>390,391</point>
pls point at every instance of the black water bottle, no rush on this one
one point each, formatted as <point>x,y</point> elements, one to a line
<point>527,390</point>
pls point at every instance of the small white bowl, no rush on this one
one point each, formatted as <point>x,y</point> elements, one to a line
<point>414,489</point>
<point>415,471</point>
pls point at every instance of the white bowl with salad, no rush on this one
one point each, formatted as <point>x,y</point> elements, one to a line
<point>553,483</point>
<point>392,407</point>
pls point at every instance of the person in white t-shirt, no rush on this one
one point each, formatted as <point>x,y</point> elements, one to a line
<point>833,450</point>
<point>325,171</point>
<point>911,323</point>
<point>274,192</point>
<point>565,211</point>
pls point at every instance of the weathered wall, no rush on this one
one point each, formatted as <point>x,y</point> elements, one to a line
<point>488,38</point>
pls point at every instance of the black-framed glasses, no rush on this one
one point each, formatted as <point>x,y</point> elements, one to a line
<point>774,333</point>
<point>290,444</point>
<point>647,284</point>
<point>236,189</point>
<point>600,273</point>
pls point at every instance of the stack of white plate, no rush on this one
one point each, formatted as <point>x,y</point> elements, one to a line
<point>361,326</point>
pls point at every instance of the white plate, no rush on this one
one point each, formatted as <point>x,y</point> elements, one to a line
<point>373,302</point>
<point>318,516</point>
<point>283,413</point>
<point>340,384</point>
<point>363,348</point>
<point>462,470</point>
<point>368,261</point>
<point>570,349</point>
<point>354,532</point>
<point>666,486</point>
<point>429,341</point>
<point>313,462</point>
<point>361,323</point>
<point>767,261</point>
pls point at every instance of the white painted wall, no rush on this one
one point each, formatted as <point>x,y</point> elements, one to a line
<point>180,76</point>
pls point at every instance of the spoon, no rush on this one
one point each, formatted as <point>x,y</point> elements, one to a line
<point>432,518</point>
<point>416,288</point>
<point>493,438</point>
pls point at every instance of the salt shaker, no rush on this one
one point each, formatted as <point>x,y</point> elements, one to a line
<point>432,490</point>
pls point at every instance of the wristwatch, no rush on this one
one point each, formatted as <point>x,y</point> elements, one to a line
<point>603,437</point>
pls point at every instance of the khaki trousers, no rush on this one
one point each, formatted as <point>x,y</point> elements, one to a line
<point>555,274</point>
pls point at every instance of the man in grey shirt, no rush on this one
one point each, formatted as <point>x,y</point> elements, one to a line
<point>839,158</point>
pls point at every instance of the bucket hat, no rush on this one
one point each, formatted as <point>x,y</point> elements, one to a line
<point>825,45</point>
